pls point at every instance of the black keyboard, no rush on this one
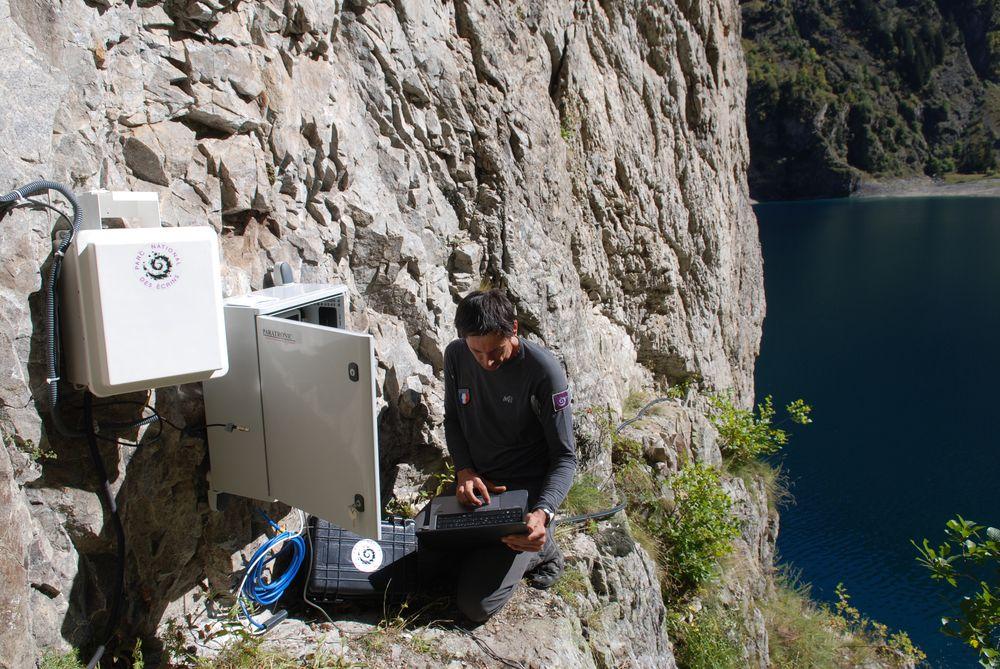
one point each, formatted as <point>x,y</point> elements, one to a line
<point>455,521</point>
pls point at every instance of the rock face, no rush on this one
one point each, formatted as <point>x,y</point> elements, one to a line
<point>839,92</point>
<point>589,157</point>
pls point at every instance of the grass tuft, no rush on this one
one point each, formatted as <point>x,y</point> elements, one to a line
<point>802,633</point>
<point>634,402</point>
<point>585,496</point>
<point>54,660</point>
<point>708,639</point>
<point>571,582</point>
<point>775,480</point>
<point>246,652</point>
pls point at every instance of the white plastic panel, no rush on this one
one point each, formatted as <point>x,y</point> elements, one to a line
<point>148,309</point>
<point>138,209</point>
<point>318,396</point>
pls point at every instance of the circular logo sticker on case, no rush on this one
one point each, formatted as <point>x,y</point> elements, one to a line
<point>156,266</point>
<point>366,555</point>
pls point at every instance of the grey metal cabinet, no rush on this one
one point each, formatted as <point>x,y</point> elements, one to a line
<point>303,387</point>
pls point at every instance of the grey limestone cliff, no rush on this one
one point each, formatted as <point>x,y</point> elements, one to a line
<point>590,157</point>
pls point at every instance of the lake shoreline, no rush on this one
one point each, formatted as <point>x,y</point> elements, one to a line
<point>927,187</point>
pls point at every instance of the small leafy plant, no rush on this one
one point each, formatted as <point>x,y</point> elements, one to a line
<point>968,553</point>
<point>438,483</point>
<point>746,435</point>
<point>896,646</point>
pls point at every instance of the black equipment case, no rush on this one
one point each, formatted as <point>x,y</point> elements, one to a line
<point>346,566</point>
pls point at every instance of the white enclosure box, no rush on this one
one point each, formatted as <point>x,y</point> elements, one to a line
<point>302,389</point>
<point>141,307</point>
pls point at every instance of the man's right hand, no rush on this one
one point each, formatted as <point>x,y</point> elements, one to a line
<point>473,490</point>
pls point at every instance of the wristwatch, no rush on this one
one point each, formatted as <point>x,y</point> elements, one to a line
<point>549,514</point>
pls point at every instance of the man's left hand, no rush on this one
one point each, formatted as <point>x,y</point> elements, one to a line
<point>534,540</point>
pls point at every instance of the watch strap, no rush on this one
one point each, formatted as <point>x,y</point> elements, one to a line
<point>550,515</point>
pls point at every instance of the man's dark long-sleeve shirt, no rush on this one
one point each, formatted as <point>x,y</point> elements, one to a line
<point>513,425</point>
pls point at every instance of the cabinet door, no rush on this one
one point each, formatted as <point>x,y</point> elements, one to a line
<point>318,396</point>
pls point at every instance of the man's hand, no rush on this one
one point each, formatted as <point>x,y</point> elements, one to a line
<point>534,540</point>
<point>470,487</point>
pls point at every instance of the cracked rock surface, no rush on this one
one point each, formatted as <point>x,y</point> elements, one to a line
<point>588,156</point>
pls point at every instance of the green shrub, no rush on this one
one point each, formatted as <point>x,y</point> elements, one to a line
<point>685,535</point>
<point>624,451</point>
<point>746,435</point>
<point>634,402</point>
<point>936,166</point>
<point>968,553</point>
<point>698,530</point>
<point>636,482</point>
<point>440,482</point>
<point>567,127</point>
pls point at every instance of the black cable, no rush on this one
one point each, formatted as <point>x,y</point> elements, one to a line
<point>32,203</point>
<point>641,413</point>
<point>15,199</point>
<point>111,426</point>
<point>153,417</point>
<point>596,515</point>
<point>185,430</point>
<point>607,513</point>
<point>156,416</point>
<point>129,424</point>
<point>117,597</point>
<point>202,430</point>
<point>147,440</point>
<point>486,648</point>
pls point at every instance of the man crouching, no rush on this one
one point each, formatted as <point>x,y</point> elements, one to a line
<point>508,425</point>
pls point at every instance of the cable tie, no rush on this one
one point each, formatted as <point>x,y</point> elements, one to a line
<point>59,253</point>
<point>52,380</point>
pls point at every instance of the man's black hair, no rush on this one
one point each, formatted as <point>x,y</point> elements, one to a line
<point>483,312</point>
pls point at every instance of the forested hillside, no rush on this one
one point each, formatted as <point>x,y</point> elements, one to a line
<point>843,90</point>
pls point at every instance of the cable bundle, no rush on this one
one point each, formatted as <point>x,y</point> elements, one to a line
<point>253,587</point>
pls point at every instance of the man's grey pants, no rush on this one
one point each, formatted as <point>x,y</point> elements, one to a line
<point>487,576</point>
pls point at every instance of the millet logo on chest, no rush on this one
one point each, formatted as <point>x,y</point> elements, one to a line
<point>464,396</point>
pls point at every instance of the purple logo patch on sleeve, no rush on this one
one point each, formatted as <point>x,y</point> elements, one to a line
<point>560,401</point>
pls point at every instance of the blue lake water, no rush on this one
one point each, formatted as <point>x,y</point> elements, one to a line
<point>885,316</point>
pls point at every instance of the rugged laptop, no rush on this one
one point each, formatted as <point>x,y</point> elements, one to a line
<point>445,522</point>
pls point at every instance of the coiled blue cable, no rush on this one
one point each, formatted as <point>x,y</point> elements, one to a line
<point>267,593</point>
